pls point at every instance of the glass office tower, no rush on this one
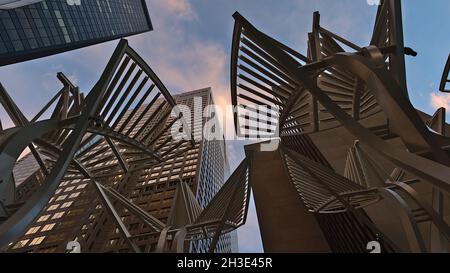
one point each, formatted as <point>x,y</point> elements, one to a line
<point>12,4</point>
<point>54,26</point>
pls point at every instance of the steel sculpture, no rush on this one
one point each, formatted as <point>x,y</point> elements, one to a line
<point>94,137</point>
<point>329,88</point>
<point>187,221</point>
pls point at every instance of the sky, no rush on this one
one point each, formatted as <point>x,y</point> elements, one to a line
<point>190,47</point>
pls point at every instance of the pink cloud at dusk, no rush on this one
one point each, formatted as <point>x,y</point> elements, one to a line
<point>438,100</point>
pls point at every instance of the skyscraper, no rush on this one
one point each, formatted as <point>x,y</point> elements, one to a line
<point>75,213</point>
<point>52,26</point>
<point>11,4</point>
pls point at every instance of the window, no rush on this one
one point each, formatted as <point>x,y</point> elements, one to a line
<point>69,189</point>
<point>73,195</point>
<point>32,230</point>
<point>37,241</point>
<point>48,227</point>
<point>76,181</point>
<point>82,186</point>
<point>58,215</point>
<point>20,244</point>
<point>66,205</point>
<point>52,207</point>
<point>43,218</point>
<point>62,197</point>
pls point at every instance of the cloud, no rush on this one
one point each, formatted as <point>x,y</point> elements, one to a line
<point>193,65</point>
<point>180,8</point>
<point>438,100</point>
<point>182,60</point>
<point>181,57</point>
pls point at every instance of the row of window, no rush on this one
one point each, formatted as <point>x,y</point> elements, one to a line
<point>56,206</point>
<point>45,228</point>
<point>55,216</point>
<point>33,26</point>
<point>34,242</point>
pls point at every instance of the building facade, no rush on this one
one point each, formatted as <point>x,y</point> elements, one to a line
<point>75,212</point>
<point>11,4</point>
<point>52,26</point>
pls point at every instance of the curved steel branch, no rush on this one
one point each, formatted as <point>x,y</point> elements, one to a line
<point>122,138</point>
<point>402,115</point>
<point>410,225</point>
<point>424,168</point>
<point>445,77</point>
<point>365,69</point>
<point>79,166</point>
<point>18,222</point>
<point>10,149</point>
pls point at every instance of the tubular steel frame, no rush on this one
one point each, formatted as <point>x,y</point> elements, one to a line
<point>329,88</point>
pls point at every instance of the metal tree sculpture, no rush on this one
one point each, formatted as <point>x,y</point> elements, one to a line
<point>89,138</point>
<point>328,88</point>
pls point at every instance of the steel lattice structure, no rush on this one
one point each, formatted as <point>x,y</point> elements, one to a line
<point>188,221</point>
<point>104,138</point>
<point>329,88</point>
